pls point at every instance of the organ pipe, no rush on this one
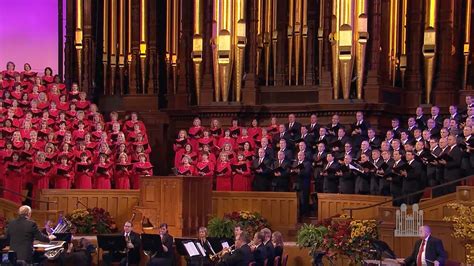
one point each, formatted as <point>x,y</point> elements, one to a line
<point>429,47</point>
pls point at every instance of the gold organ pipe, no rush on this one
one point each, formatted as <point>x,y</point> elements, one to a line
<point>267,37</point>
<point>403,39</point>
<point>361,44</point>
<point>290,32</point>
<point>215,50</point>
<point>78,38</point>
<point>260,29</point>
<point>240,42</point>
<point>297,33</point>
<point>334,40</point>
<point>175,43</point>
<point>429,47</point>
<point>105,42</point>
<point>225,46</point>
<point>321,40</point>
<point>304,34</point>
<point>129,25</point>
<point>393,44</point>
<point>197,46</point>
<point>122,47</point>
<point>467,45</point>
<point>113,46</point>
<point>346,56</point>
<point>168,32</point>
<point>274,38</point>
<point>143,40</point>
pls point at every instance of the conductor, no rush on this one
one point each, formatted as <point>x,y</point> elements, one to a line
<point>21,232</point>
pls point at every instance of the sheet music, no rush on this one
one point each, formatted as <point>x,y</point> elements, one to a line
<point>351,167</point>
<point>225,244</point>
<point>191,249</point>
<point>201,249</point>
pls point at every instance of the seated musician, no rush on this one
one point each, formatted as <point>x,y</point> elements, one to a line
<point>202,235</point>
<point>78,254</point>
<point>267,242</point>
<point>277,242</point>
<point>242,254</point>
<point>133,248</point>
<point>166,258</point>
<point>258,249</point>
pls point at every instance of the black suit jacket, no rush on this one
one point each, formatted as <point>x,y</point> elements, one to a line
<point>260,254</point>
<point>21,233</point>
<point>452,170</point>
<point>295,130</point>
<point>240,257</point>
<point>134,253</point>
<point>331,181</point>
<point>434,251</point>
<point>314,130</point>
<point>270,253</point>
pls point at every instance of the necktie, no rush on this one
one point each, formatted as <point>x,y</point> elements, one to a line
<point>422,246</point>
<point>260,161</point>
<point>281,162</point>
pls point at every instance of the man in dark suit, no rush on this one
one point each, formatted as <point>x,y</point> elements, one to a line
<point>269,246</point>
<point>331,181</point>
<point>165,259</point>
<point>411,126</point>
<point>453,114</point>
<point>436,116</point>
<point>428,250</point>
<point>293,127</point>
<point>282,134</point>
<point>375,178</point>
<point>385,173</point>
<point>319,159</point>
<point>269,152</point>
<point>307,138</point>
<point>258,248</point>
<point>242,255</point>
<point>396,181</point>
<point>433,128</point>
<point>374,141</point>
<point>281,173</point>
<point>412,178</point>
<point>420,118</point>
<point>452,169</point>
<point>285,149</point>
<point>303,170</point>
<point>133,246</point>
<point>313,127</point>
<point>21,232</point>
<point>334,126</point>
<point>262,169</point>
<point>346,176</point>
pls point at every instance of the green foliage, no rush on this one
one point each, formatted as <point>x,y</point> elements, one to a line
<point>310,236</point>
<point>221,227</point>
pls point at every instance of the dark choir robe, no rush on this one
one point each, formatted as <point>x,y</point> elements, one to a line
<point>240,257</point>
<point>411,183</point>
<point>331,180</point>
<point>452,169</point>
<point>281,182</point>
<point>103,176</point>
<point>362,184</point>
<point>262,179</point>
<point>294,130</point>
<point>83,178</point>
<point>270,253</point>
<point>63,176</point>
<point>223,176</point>
<point>375,178</point>
<point>384,177</point>
<point>396,181</point>
<point>13,181</point>
<point>205,168</point>
<point>242,181</point>
<point>375,143</point>
<point>278,136</point>
<point>303,172</point>
<point>319,160</point>
<point>347,179</point>
<point>431,179</point>
<point>140,169</point>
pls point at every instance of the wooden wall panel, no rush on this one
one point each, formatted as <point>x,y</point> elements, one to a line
<point>119,203</point>
<point>333,204</point>
<point>435,209</point>
<point>9,210</point>
<point>280,208</point>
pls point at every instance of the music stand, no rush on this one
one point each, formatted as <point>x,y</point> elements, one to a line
<point>152,243</point>
<point>382,250</point>
<point>67,237</point>
<point>112,243</point>
<point>182,251</point>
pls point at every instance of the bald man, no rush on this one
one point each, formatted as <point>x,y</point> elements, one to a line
<point>428,250</point>
<point>21,233</point>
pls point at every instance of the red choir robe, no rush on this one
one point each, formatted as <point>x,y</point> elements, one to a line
<point>216,132</point>
<point>48,79</point>
<point>242,181</point>
<point>123,172</point>
<point>13,181</point>
<point>63,176</point>
<point>103,175</point>
<point>223,176</point>
<point>140,169</point>
<point>77,154</point>
<point>212,158</point>
<point>179,157</point>
<point>235,131</point>
<point>224,140</point>
<point>83,178</point>
<point>187,170</point>
<point>241,141</point>
<point>254,132</point>
<point>41,174</point>
<point>42,105</point>
<point>38,145</point>
<point>205,168</point>
<point>78,135</point>
<point>18,145</point>
<point>63,106</point>
<point>210,141</point>
<point>6,155</point>
<point>82,105</point>
<point>51,157</point>
<point>179,144</point>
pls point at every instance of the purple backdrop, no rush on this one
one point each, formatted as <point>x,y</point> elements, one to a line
<point>29,33</point>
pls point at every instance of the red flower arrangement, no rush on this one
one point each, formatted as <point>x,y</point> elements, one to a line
<point>92,221</point>
<point>251,222</point>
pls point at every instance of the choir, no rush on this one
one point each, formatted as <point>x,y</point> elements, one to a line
<point>332,158</point>
<point>54,137</point>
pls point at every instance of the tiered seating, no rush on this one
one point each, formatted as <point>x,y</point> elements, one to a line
<point>54,137</point>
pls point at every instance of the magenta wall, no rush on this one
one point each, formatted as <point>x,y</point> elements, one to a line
<point>29,33</point>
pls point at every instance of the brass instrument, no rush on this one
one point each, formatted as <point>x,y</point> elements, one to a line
<point>64,226</point>
<point>219,255</point>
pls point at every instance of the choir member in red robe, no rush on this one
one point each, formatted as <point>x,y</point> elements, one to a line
<point>48,77</point>
<point>9,74</point>
<point>134,120</point>
<point>26,156</point>
<point>243,138</point>
<point>123,172</point>
<point>235,129</point>
<point>195,133</point>
<point>223,174</point>
<point>63,105</point>
<point>248,153</point>
<point>254,131</point>
<point>84,172</point>
<point>226,139</point>
<point>103,173</point>
<point>205,167</point>
<point>216,130</point>
<point>188,150</point>
<point>80,133</point>
<point>7,152</point>
<point>24,102</point>
<point>113,120</point>
<point>186,168</point>
<point>141,168</point>
<point>50,152</point>
<point>79,149</point>
<point>17,141</point>
<point>229,152</point>
<point>63,174</point>
<point>242,175</point>
<point>114,131</point>
<point>57,82</point>
<point>180,141</point>
<point>41,172</point>
<point>211,156</point>
<point>83,103</point>
<point>42,101</point>
<point>13,179</point>
<point>206,139</point>
<point>273,127</point>
<point>27,75</point>
<point>122,148</point>
<point>74,93</point>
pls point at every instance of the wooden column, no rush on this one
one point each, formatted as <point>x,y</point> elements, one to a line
<point>446,84</point>
<point>311,54</point>
<point>152,84</point>
<point>207,91</point>
<point>371,89</point>
<point>414,72</point>
<point>134,77</point>
<point>88,53</point>
<point>282,44</point>
<point>69,50</point>
<point>249,91</point>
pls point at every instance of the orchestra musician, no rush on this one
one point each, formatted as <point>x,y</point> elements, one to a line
<point>165,259</point>
<point>258,249</point>
<point>267,242</point>
<point>242,254</point>
<point>202,235</point>
<point>21,232</point>
<point>133,248</point>
<point>277,242</point>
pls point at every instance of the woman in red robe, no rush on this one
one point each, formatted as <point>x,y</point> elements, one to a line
<point>141,168</point>
<point>226,139</point>
<point>223,174</point>
<point>103,173</point>
<point>205,167</point>
<point>84,172</point>
<point>211,156</point>
<point>186,168</point>
<point>215,129</point>
<point>13,179</point>
<point>41,172</point>
<point>249,154</point>
<point>48,77</point>
<point>273,127</point>
<point>180,141</point>
<point>123,172</point>
<point>243,138</point>
<point>207,139</point>
<point>188,150</point>
<point>254,131</point>
<point>63,174</point>
<point>235,128</point>
<point>242,174</point>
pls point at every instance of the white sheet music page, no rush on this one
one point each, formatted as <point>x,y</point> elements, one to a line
<point>201,249</point>
<point>191,249</point>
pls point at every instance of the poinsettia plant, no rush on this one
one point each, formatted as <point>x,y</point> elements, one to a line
<point>92,221</point>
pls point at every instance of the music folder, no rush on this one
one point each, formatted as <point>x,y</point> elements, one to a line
<point>242,167</point>
<point>189,247</point>
<point>205,169</point>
